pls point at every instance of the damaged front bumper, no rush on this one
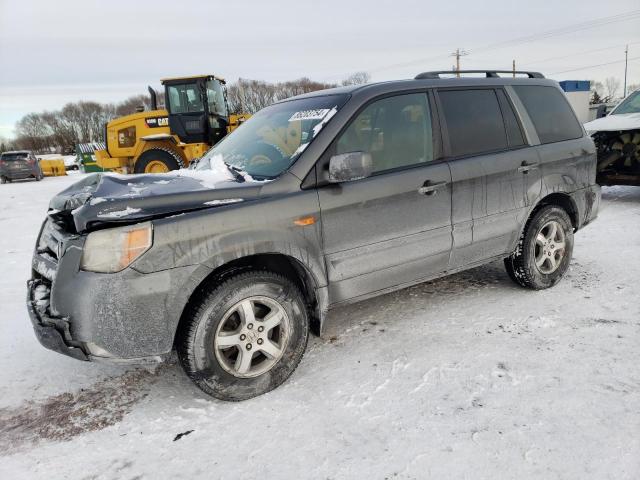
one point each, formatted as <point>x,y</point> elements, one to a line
<point>126,317</point>
<point>52,333</point>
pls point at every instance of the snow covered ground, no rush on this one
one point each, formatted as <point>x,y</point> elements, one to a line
<point>463,377</point>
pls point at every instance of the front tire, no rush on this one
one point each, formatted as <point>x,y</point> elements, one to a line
<point>244,337</point>
<point>544,250</point>
<point>158,160</point>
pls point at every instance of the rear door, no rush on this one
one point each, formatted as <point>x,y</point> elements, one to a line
<point>494,173</point>
<point>567,155</point>
<point>393,228</point>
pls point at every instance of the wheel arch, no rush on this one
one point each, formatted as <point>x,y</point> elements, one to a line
<point>562,200</point>
<point>285,265</point>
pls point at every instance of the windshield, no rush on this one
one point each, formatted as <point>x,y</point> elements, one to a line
<point>215,98</point>
<point>631,104</point>
<point>271,140</point>
<point>10,157</point>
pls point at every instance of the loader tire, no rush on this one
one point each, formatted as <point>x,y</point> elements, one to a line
<point>544,250</point>
<point>158,160</point>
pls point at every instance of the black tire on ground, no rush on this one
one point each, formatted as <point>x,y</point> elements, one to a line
<point>169,158</point>
<point>195,339</point>
<point>3,180</point>
<point>521,265</point>
<point>38,178</point>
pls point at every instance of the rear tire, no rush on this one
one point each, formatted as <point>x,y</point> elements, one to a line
<point>544,250</point>
<point>238,318</point>
<point>3,180</point>
<point>160,157</point>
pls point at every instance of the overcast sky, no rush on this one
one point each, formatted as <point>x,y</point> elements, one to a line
<point>56,51</point>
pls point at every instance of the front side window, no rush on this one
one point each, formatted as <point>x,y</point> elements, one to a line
<point>550,113</point>
<point>185,98</point>
<point>631,104</point>
<point>474,121</point>
<point>272,139</point>
<point>396,131</point>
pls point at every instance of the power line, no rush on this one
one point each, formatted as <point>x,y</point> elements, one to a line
<point>593,23</point>
<point>594,66</point>
<point>598,22</point>
<point>585,52</point>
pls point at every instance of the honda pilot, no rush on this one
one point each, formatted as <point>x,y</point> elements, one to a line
<point>315,202</point>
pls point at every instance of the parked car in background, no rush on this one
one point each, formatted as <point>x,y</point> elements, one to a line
<point>617,138</point>
<point>18,165</point>
<point>316,201</point>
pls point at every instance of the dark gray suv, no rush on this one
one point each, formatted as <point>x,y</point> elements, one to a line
<point>19,165</point>
<point>317,201</point>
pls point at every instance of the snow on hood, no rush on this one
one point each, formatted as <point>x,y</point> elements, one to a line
<point>111,197</point>
<point>614,123</point>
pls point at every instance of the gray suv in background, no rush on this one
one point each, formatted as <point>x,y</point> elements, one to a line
<point>316,201</point>
<point>19,165</point>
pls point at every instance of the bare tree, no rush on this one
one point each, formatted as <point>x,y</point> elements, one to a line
<point>252,95</point>
<point>633,87</point>
<point>357,78</point>
<point>612,85</point>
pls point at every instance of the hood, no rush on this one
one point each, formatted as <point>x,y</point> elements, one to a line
<point>614,123</point>
<point>108,198</point>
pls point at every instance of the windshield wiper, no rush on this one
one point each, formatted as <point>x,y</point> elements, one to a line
<point>236,172</point>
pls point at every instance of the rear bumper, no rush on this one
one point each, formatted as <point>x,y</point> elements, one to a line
<point>18,174</point>
<point>587,201</point>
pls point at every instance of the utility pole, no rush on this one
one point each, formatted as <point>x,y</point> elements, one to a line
<point>513,67</point>
<point>626,58</point>
<point>458,53</point>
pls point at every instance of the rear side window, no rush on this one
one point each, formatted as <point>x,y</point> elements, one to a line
<point>11,157</point>
<point>550,113</point>
<point>474,121</point>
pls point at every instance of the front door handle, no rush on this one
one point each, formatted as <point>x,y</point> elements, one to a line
<point>429,188</point>
<point>525,167</point>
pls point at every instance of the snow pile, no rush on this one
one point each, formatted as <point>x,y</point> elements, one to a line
<point>120,213</point>
<point>468,376</point>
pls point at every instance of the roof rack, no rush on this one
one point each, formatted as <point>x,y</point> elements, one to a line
<point>488,73</point>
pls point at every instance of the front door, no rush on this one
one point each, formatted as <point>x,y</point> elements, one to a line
<point>393,228</point>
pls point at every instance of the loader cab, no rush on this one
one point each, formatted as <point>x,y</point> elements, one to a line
<point>197,107</point>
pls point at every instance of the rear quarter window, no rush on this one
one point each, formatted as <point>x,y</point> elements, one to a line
<point>550,113</point>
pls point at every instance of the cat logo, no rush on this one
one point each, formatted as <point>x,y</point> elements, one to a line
<point>155,122</point>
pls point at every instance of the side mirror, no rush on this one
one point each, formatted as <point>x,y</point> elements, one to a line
<point>350,166</point>
<point>601,111</point>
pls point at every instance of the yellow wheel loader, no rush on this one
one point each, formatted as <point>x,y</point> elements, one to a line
<point>156,141</point>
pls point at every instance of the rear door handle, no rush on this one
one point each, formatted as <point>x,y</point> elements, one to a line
<point>526,167</point>
<point>429,188</point>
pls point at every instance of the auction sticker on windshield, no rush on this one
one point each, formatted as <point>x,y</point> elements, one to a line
<point>316,114</point>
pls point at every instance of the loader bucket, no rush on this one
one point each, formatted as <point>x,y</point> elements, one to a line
<point>53,167</point>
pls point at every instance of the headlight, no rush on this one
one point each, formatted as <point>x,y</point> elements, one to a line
<point>114,249</point>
